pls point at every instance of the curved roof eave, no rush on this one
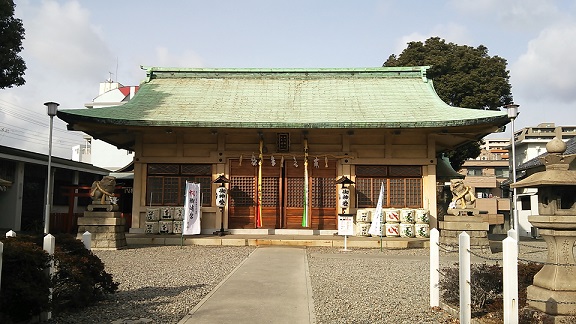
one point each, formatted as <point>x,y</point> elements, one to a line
<point>495,120</point>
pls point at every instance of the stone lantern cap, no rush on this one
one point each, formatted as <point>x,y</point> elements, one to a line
<point>558,169</point>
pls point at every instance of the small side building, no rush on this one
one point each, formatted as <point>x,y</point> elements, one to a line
<point>23,190</point>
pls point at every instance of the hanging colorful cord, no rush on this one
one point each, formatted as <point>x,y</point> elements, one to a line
<point>305,213</point>
<point>259,200</point>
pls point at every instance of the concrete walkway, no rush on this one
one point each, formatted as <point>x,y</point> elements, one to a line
<point>271,286</point>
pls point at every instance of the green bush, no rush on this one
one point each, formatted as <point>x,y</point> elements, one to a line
<point>79,278</point>
<point>25,285</point>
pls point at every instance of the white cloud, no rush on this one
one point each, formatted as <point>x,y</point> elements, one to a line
<point>61,38</point>
<point>547,70</point>
<point>66,58</point>
<point>518,15</point>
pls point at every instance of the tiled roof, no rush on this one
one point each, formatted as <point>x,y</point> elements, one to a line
<point>387,97</point>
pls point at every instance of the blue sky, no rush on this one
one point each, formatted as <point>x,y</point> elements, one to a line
<point>72,46</point>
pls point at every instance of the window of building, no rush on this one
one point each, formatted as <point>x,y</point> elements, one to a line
<point>472,171</point>
<point>502,172</point>
<point>525,203</point>
<point>402,186</point>
<point>166,183</point>
<point>482,193</point>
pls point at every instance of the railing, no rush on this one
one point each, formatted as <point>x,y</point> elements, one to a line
<point>509,266</point>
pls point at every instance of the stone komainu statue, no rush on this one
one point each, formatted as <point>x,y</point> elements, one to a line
<point>102,190</point>
<point>462,196</point>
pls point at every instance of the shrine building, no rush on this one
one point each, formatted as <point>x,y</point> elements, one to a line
<point>284,128</point>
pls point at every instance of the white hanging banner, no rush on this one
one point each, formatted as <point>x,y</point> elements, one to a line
<point>378,219</point>
<point>191,224</point>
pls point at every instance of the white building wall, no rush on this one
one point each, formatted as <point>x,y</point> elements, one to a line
<point>97,152</point>
<point>108,156</point>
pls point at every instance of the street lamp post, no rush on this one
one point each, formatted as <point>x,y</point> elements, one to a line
<point>51,109</point>
<point>512,114</point>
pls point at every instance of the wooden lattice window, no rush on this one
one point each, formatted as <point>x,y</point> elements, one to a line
<point>414,192</point>
<point>405,171</point>
<point>163,168</point>
<point>242,191</point>
<point>205,169</point>
<point>166,183</point>
<point>270,194</point>
<point>323,193</point>
<point>368,190</point>
<point>397,191</point>
<point>402,186</point>
<point>371,170</point>
<point>295,192</point>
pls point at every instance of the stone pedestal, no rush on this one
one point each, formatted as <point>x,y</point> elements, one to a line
<point>475,226</point>
<point>554,287</point>
<point>106,227</point>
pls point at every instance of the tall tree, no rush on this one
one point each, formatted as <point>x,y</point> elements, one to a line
<point>463,76</point>
<point>12,66</point>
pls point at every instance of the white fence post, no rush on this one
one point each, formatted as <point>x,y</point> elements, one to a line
<point>10,233</point>
<point>512,233</point>
<point>49,246</point>
<point>1,255</point>
<point>510,279</point>
<point>87,240</point>
<point>464,275</point>
<point>434,268</point>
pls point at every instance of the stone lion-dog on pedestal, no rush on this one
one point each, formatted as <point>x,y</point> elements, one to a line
<point>102,190</point>
<point>463,196</point>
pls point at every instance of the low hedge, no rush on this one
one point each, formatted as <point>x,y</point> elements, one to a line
<point>79,278</point>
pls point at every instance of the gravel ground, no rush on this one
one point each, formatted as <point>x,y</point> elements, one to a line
<point>357,286</point>
<point>158,284</point>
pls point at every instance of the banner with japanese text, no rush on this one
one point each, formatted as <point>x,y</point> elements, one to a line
<point>192,206</point>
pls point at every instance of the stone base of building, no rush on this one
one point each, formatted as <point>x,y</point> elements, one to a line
<point>106,227</point>
<point>475,226</point>
<point>558,303</point>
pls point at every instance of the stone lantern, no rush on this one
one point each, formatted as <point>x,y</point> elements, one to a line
<point>554,288</point>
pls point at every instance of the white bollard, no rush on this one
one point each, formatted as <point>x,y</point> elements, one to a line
<point>434,268</point>
<point>87,240</point>
<point>10,233</point>
<point>49,246</point>
<point>510,279</point>
<point>512,233</point>
<point>464,275</point>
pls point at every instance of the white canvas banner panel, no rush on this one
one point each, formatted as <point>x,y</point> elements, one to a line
<point>377,220</point>
<point>191,224</point>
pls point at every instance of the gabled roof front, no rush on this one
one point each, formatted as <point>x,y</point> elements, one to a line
<point>355,98</point>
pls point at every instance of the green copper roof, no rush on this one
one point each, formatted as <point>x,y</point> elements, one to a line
<point>389,97</point>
